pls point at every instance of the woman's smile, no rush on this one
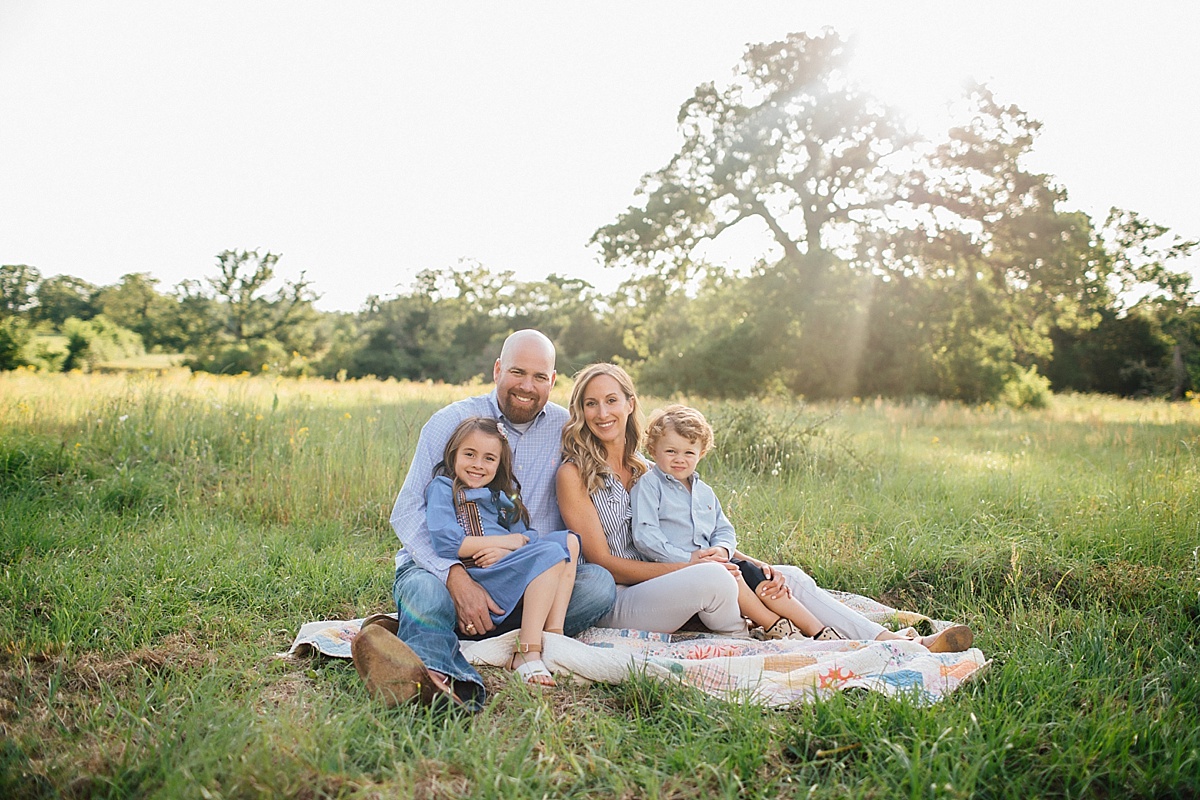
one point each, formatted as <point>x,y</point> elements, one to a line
<point>606,409</point>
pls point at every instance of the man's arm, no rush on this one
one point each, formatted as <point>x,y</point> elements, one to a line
<point>408,514</point>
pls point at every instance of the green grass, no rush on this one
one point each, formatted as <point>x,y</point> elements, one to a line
<point>162,537</point>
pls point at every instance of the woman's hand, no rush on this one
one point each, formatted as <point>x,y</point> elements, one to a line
<point>774,587</point>
<point>490,555</point>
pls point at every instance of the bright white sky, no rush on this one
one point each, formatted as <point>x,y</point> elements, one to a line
<point>366,141</point>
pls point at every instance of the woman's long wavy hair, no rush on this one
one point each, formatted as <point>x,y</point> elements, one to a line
<point>581,447</point>
<point>505,479</point>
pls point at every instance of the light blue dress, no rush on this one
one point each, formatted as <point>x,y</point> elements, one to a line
<point>507,579</point>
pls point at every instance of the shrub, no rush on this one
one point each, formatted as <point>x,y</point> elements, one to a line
<point>748,435</point>
<point>1026,389</point>
<point>14,335</point>
<point>99,339</point>
<point>264,355</point>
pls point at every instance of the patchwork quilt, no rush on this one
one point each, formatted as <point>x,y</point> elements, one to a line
<point>773,673</point>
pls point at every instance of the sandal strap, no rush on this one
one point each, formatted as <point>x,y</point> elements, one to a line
<point>527,647</point>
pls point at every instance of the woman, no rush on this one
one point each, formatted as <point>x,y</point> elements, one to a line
<point>600,465</point>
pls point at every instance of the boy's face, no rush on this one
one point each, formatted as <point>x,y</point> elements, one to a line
<point>677,456</point>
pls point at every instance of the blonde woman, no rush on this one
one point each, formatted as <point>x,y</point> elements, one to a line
<point>601,463</point>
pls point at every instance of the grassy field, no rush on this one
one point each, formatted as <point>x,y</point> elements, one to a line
<point>162,536</point>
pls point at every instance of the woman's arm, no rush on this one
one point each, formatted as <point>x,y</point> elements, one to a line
<point>580,516</point>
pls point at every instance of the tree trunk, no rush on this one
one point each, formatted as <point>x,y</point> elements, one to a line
<point>1179,376</point>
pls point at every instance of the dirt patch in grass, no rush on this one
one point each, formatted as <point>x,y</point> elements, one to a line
<point>178,652</point>
<point>47,692</point>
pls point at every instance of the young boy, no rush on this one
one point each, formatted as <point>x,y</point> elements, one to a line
<point>677,518</point>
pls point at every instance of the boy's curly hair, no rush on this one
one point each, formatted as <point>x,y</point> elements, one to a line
<point>685,421</point>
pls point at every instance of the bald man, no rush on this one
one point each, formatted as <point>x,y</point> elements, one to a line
<point>436,599</point>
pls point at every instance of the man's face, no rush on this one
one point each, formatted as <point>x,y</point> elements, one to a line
<point>523,381</point>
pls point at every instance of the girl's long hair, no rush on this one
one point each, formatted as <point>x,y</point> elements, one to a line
<point>505,479</point>
<point>581,447</point>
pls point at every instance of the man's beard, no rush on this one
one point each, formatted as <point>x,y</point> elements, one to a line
<point>518,415</point>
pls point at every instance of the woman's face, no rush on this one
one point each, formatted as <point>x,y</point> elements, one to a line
<point>606,409</point>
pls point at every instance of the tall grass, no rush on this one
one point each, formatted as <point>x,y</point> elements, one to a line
<point>161,537</point>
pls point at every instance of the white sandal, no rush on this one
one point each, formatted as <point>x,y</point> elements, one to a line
<point>533,673</point>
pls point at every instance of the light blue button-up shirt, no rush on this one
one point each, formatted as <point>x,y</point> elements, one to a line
<point>670,523</point>
<point>536,455</point>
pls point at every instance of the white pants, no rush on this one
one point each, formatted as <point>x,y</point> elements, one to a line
<point>665,603</point>
<point>824,607</point>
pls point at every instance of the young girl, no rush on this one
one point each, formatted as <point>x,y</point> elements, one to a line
<point>474,512</point>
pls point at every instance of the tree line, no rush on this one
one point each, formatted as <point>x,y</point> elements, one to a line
<point>895,265</point>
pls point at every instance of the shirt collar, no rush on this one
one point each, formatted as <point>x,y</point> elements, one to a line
<point>672,479</point>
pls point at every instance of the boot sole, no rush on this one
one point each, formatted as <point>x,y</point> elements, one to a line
<point>393,673</point>
<point>954,639</point>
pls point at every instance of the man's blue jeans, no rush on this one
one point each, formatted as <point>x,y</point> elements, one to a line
<point>427,620</point>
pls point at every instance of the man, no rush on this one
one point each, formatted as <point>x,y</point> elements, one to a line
<point>435,595</point>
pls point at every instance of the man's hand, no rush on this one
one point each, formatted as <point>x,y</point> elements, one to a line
<point>471,602</point>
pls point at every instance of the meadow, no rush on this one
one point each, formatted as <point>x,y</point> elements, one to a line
<point>163,535</point>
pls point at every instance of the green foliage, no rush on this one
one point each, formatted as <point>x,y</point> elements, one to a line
<point>254,357</point>
<point>1125,354</point>
<point>63,297</point>
<point>94,341</point>
<point>789,142</point>
<point>136,304</point>
<point>1027,389</point>
<point>14,338</point>
<point>958,302</point>
<point>18,287</point>
<point>451,324</point>
<point>891,267</point>
<point>236,322</point>
<point>774,439</point>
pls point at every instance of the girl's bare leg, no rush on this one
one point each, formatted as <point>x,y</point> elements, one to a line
<point>566,583</point>
<point>539,596</point>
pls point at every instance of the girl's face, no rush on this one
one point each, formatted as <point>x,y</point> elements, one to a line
<point>606,409</point>
<point>476,460</point>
